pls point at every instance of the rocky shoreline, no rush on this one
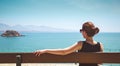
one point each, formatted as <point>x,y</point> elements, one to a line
<point>11,33</point>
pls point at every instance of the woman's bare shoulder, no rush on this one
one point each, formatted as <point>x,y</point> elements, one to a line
<point>80,43</point>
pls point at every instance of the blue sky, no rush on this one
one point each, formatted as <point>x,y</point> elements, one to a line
<point>66,14</point>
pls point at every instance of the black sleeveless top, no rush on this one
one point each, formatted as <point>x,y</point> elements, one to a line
<point>86,47</point>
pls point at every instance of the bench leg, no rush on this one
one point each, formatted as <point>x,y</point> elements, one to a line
<point>18,60</point>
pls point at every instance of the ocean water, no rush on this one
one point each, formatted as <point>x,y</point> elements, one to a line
<point>35,40</point>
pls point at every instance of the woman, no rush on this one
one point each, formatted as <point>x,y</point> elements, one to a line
<point>89,45</point>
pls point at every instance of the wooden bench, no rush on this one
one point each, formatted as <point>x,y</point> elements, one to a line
<point>75,57</point>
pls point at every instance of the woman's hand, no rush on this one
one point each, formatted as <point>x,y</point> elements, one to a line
<point>39,52</point>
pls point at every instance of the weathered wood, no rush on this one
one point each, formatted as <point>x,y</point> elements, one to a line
<point>70,58</point>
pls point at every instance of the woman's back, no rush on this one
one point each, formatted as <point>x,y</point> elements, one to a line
<point>86,47</point>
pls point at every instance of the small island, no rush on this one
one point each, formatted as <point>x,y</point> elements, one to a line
<point>10,33</point>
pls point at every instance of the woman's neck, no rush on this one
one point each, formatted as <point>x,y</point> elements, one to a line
<point>90,40</point>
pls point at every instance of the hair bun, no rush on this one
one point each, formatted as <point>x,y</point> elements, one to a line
<point>96,30</point>
<point>90,29</point>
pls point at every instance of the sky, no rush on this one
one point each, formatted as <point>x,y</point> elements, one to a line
<point>66,14</point>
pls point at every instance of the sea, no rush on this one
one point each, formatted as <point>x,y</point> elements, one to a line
<point>32,41</point>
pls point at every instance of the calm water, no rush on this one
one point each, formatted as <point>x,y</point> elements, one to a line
<point>33,41</point>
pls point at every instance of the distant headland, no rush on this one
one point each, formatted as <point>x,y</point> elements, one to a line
<point>10,33</point>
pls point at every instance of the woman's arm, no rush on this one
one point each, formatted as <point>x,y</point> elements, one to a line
<point>64,51</point>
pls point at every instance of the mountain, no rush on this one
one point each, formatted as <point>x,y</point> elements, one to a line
<point>4,27</point>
